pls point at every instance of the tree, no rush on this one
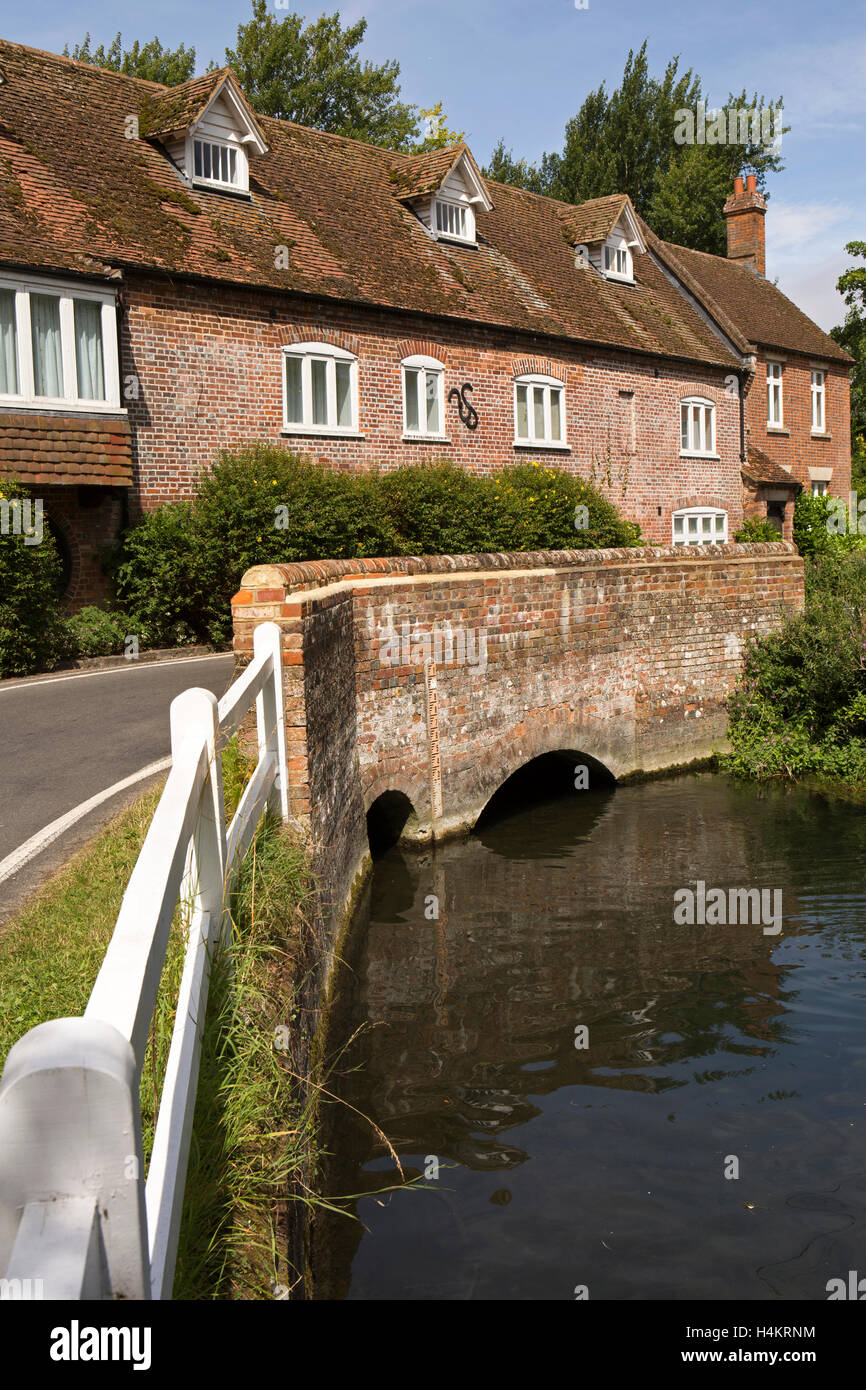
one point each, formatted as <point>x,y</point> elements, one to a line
<point>436,135</point>
<point>311,75</point>
<point>851,335</point>
<point>150,60</point>
<point>629,142</point>
<point>314,76</point>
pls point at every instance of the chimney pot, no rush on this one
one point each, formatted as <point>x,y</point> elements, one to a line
<point>744,214</point>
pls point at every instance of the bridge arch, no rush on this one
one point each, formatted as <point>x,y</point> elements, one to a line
<point>563,772</point>
<point>391,818</point>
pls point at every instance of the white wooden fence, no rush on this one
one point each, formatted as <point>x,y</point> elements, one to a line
<point>75,1211</point>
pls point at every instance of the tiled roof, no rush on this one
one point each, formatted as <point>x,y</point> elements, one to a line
<point>77,195</point>
<point>760,310</point>
<point>760,468</point>
<point>177,108</point>
<point>48,449</point>
<point>413,176</point>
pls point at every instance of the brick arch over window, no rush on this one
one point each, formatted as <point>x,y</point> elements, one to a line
<point>539,366</point>
<point>702,499</point>
<point>315,333</point>
<point>422,347</point>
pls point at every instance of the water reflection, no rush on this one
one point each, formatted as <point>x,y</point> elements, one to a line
<point>604,1164</point>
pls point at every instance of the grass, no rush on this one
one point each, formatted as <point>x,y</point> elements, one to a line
<point>253,1133</point>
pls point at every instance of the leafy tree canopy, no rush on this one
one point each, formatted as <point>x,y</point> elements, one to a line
<point>311,74</point>
<point>150,60</point>
<point>851,335</point>
<point>632,141</point>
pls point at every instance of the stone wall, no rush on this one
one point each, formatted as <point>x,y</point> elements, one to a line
<point>439,677</point>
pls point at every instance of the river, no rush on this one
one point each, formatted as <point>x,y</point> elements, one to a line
<point>594,1098</point>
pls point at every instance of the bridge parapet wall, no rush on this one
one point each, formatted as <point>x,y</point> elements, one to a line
<point>440,676</point>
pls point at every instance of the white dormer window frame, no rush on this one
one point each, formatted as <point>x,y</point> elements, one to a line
<point>423,398</point>
<point>453,220</point>
<point>320,390</point>
<point>228,158</point>
<point>617,259</point>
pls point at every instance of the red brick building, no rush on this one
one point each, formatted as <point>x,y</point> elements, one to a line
<point>179,275</point>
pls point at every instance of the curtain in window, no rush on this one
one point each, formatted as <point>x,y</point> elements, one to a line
<point>47,354</point>
<point>344,395</point>
<point>294,392</point>
<point>319,371</point>
<point>433,426</point>
<point>8,345</point>
<point>88,350</point>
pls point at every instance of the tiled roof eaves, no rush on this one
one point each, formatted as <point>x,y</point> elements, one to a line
<point>428,315</point>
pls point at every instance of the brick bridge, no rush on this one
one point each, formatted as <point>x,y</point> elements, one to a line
<point>425,683</point>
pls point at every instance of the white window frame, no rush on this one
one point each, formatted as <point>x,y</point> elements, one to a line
<point>617,260</point>
<point>697,445</point>
<point>775,395</point>
<point>66,291</point>
<point>241,183</point>
<point>819,399</point>
<point>330,355</point>
<point>548,384</point>
<point>424,366</point>
<point>458,213</point>
<point>702,537</point>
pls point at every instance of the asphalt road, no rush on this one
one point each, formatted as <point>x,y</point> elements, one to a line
<point>65,738</point>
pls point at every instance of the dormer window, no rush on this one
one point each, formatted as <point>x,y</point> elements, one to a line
<point>454,220</point>
<point>617,259</point>
<point>218,163</point>
<point>208,130</point>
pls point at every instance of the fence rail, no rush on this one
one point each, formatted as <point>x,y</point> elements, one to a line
<point>76,1213</point>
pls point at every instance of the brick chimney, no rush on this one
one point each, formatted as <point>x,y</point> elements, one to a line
<point>744,212</point>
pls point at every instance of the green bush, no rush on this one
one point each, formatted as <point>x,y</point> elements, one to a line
<point>31,624</point>
<point>160,579</point>
<point>176,571</point>
<point>800,705</point>
<point>822,526</point>
<point>756,529</point>
<point>97,632</point>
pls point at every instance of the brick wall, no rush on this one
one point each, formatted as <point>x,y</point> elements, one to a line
<point>794,446</point>
<point>85,521</point>
<point>209,368</point>
<point>625,656</point>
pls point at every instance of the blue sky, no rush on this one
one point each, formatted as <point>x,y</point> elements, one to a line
<point>521,70</point>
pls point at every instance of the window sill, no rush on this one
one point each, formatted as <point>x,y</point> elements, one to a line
<point>821,434</point>
<point>617,279</point>
<point>426,438</point>
<point>318,432</point>
<point>693,454</point>
<point>777,429</point>
<point>538,446</point>
<point>45,406</point>
<point>204,186</point>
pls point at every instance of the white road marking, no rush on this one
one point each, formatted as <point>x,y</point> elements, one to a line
<point>38,842</point>
<point>109,671</point>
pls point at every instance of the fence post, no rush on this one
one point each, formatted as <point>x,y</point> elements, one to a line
<point>194,717</point>
<point>270,715</point>
<point>72,1210</point>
